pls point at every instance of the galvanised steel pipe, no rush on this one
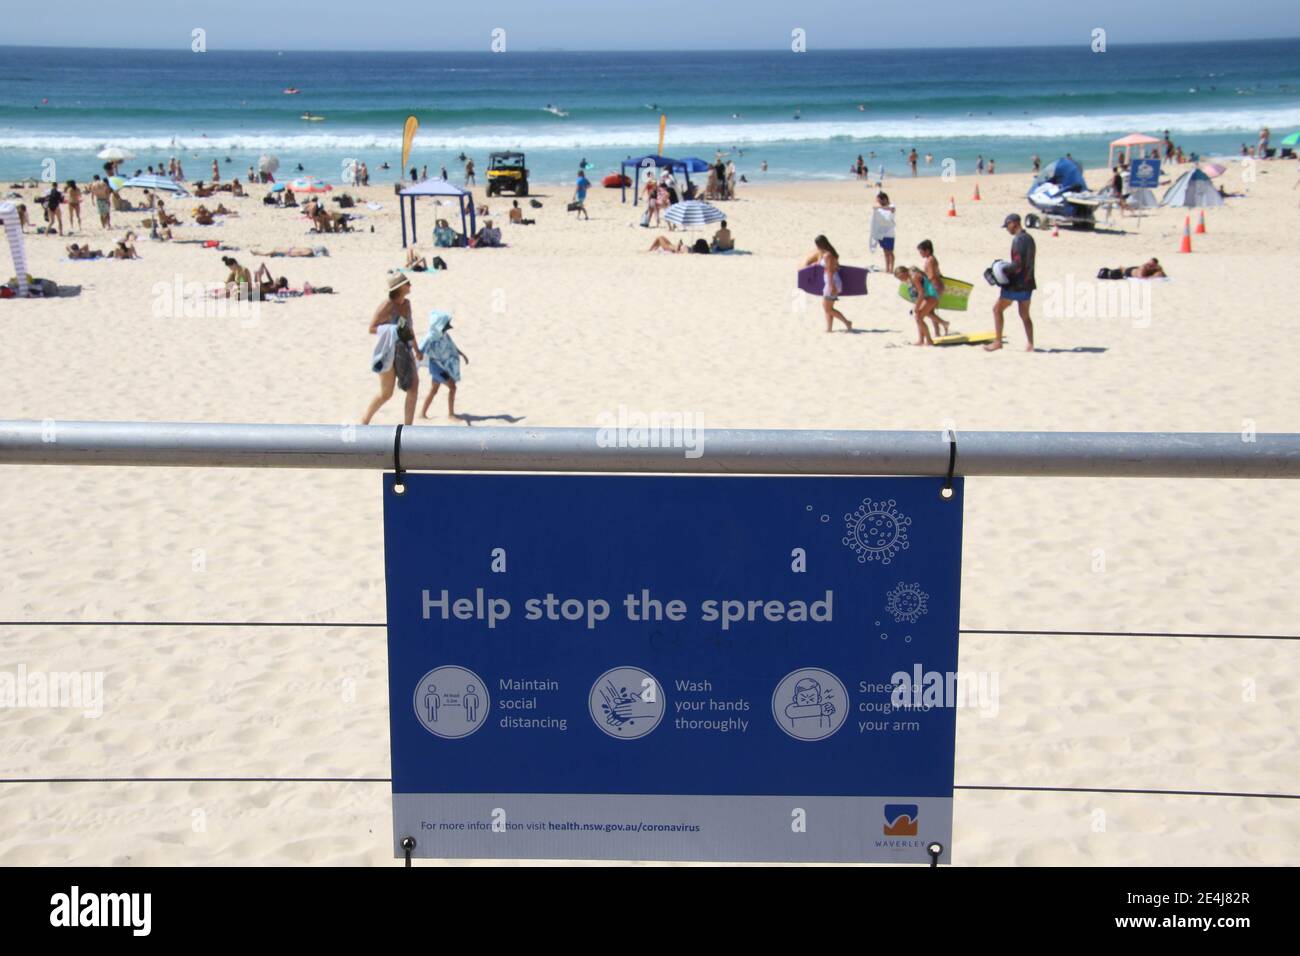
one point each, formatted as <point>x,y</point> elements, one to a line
<point>705,451</point>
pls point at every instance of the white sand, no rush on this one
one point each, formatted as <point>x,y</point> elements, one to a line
<point>571,321</point>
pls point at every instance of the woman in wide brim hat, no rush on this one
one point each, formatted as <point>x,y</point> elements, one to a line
<point>394,357</point>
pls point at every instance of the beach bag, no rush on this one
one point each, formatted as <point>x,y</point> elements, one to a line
<point>438,263</point>
<point>572,206</point>
<point>645,219</point>
<point>536,204</point>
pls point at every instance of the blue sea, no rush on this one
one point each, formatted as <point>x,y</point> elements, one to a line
<point>806,115</point>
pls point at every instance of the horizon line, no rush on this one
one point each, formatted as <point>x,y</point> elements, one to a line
<point>554,49</point>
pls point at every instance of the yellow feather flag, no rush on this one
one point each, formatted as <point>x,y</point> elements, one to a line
<point>663,123</point>
<point>408,136</point>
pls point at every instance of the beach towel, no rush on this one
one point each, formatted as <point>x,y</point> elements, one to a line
<point>882,226</point>
<point>385,347</point>
<point>438,346</point>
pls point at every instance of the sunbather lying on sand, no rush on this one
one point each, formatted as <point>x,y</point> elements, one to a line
<point>267,284</point>
<point>664,244</point>
<point>292,252</point>
<point>1151,269</point>
<point>83,252</point>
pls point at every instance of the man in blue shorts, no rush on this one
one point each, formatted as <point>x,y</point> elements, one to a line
<point>1021,287</point>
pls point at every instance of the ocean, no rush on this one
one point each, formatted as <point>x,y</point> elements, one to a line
<point>806,115</point>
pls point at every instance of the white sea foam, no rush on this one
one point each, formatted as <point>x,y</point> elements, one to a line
<point>920,129</point>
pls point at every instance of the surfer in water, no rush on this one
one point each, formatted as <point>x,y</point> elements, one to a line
<point>826,257</point>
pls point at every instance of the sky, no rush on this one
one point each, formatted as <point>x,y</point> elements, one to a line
<point>655,25</point>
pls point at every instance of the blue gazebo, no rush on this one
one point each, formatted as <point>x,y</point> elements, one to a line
<point>437,187</point>
<point>686,166</point>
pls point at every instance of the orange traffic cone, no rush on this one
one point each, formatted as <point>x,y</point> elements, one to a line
<point>1187,235</point>
<point>976,197</point>
<point>1056,231</point>
<point>952,206</point>
<point>1200,226</point>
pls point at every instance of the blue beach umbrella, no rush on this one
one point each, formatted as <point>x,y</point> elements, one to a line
<point>693,212</point>
<point>159,184</point>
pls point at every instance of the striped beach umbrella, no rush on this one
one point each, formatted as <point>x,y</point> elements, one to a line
<point>693,212</point>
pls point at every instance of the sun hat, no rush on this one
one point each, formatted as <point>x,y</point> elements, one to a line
<point>396,281</point>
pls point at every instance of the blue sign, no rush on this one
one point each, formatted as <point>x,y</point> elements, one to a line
<point>672,668</point>
<point>1144,174</point>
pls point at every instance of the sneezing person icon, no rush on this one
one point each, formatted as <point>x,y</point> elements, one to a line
<point>810,703</point>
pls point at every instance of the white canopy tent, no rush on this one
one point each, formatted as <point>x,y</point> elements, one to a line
<point>14,233</point>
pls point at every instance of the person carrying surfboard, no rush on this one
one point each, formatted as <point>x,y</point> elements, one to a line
<point>923,301</point>
<point>826,257</point>
<point>934,286</point>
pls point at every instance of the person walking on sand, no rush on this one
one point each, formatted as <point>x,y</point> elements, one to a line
<point>100,190</point>
<point>444,361</point>
<point>580,195</point>
<point>934,286</point>
<point>883,228</point>
<point>469,172</point>
<point>1021,287</point>
<point>923,302</point>
<point>394,359</point>
<point>72,196</point>
<point>911,161</point>
<point>53,207</point>
<point>826,256</point>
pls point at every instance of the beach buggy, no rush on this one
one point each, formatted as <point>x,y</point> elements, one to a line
<point>507,174</point>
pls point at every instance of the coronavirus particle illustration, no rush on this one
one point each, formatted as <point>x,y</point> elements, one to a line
<point>877,531</point>
<point>906,602</point>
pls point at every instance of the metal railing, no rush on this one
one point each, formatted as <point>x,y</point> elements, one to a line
<point>721,451</point>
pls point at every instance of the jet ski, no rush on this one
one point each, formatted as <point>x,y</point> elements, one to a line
<point>1061,195</point>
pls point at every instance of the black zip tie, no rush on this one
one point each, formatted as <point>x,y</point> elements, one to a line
<point>408,843</point>
<point>946,491</point>
<point>935,849</point>
<point>399,487</point>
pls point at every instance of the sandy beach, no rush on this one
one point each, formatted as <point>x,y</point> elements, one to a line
<point>568,323</point>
